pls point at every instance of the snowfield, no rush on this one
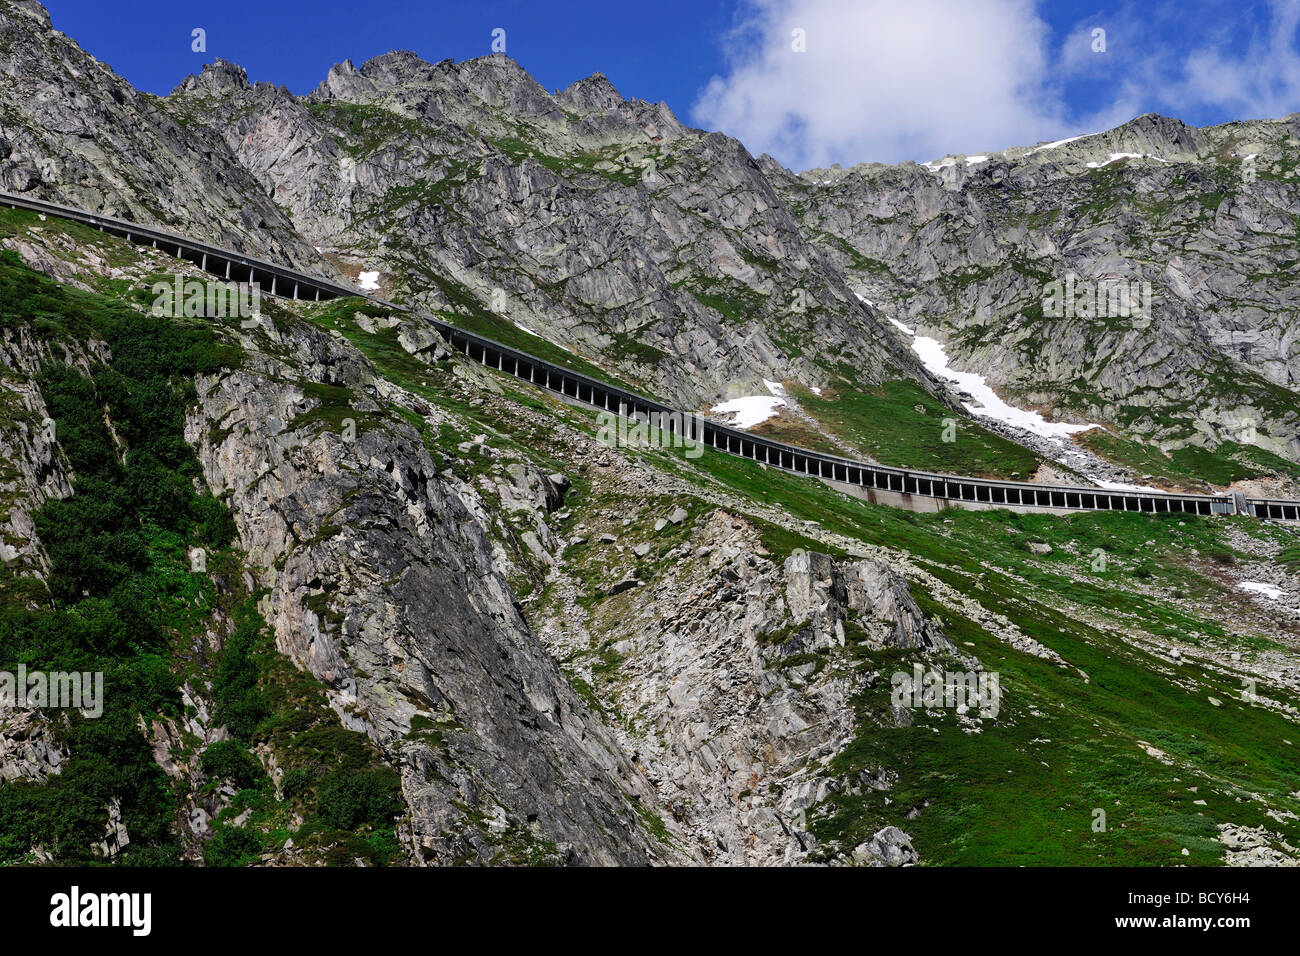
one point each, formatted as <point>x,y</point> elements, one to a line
<point>987,404</point>
<point>750,410</point>
<point>1270,591</point>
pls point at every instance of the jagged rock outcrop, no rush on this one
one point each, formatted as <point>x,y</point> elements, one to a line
<point>76,132</point>
<point>382,585</point>
<point>611,228</point>
<point>34,469</point>
<point>29,750</point>
<point>735,665</point>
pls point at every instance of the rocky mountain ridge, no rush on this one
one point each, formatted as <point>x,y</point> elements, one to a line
<point>407,611</point>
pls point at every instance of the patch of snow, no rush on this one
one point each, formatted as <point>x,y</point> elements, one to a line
<point>750,410</point>
<point>815,390</point>
<point>934,167</point>
<point>901,327</point>
<point>1114,157</point>
<point>1056,143</point>
<point>1270,591</point>
<point>987,403</point>
<point>776,388</point>
<point>1120,486</point>
<point>863,299</point>
<point>369,280</point>
<point>524,328</point>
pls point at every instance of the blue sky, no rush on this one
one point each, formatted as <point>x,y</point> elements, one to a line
<point>876,80</point>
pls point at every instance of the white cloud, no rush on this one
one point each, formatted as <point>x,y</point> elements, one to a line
<point>883,80</point>
<point>1264,82</point>
<point>886,81</point>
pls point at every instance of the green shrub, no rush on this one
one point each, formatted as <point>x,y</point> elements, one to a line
<point>238,703</point>
<point>232,846</point>
<point>373,796</point>
<point>227,760</point>
<point>297,783</point>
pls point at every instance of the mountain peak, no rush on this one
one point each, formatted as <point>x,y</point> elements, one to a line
<point>595,92</point>
<point>33,8</point>
<point>1162,134</point>
<point>220,76</point>
<point>343,82</point>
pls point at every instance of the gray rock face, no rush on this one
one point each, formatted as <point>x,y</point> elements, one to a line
<point>888,847</point>
<point>693,269</point>
<point>964,251</point>
<point>605,224</point>
<point>28,747</point>
<point>35,467</point>
<point>737,722</point>
<point>826,593</point>
<point>383,586</point>
<point>76,132</point>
